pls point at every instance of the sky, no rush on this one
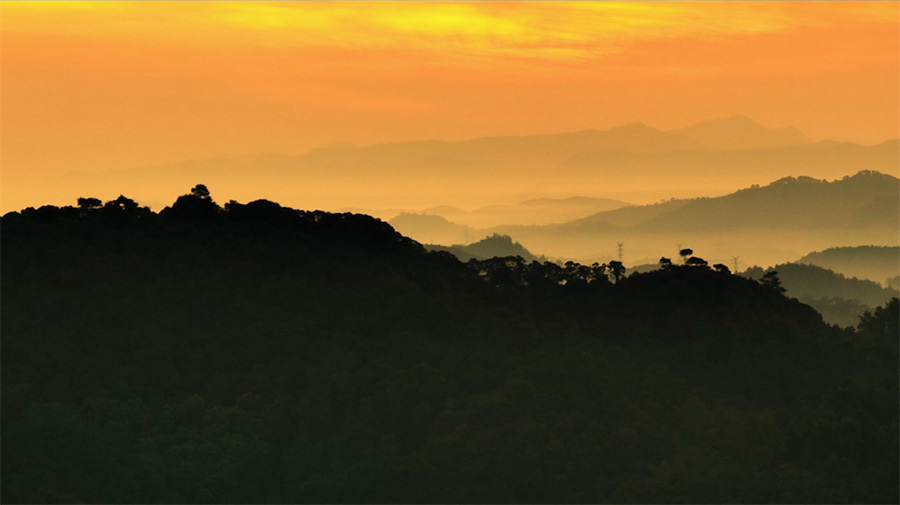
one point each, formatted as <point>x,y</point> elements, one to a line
<point>98,86</point>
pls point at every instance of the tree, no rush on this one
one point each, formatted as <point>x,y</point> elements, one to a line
<point>665,263</point>
<point>771,280</point>
<point>723,269</point>
<point>684,253</point>
<point>617,269</point>
<point>696,262</point>
<point>200,191</point>
<point>196,206</point>
<point>86,205</point>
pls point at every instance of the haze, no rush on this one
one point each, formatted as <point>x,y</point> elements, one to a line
<point>105,98</point>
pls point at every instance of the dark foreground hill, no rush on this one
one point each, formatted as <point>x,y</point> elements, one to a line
<point>260,354</point>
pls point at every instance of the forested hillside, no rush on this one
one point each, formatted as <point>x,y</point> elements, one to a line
<point>839,299</point>
<point>763,225</point>
<point>256,353</point>
<point>880,264</point>
<point>486,248</point>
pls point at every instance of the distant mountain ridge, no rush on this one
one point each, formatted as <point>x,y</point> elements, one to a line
<point>495,246</point>
<point>765,225</point>
<point>634,163</point>
<point>876,263</point>
<point>741,132</point>
<point>840,300</point>
<point>819,159</point>
<point>865,199</point>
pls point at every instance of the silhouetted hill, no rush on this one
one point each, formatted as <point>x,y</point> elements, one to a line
<point>433,229</point>
<point>459,225</point>
<point>876,263</point>
<point>867,199</point>
<point>256,353</point>
<point>839,299</point>
<point>761,224</point>
<point>486,248</point>
<point>536,211</point>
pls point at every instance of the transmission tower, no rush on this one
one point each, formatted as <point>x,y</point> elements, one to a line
<point>735,263</point>
<point>621,245</point>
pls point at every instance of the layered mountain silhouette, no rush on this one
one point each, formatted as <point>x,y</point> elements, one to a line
<point>867,199</point>
<point>741,132</point>
<point>255,353</point>
<point>495,246</point>
<point>879,264</point>
<point>841,300</point>
<point>465,224</point>
<point>767,225</point>
<point>629,163</point>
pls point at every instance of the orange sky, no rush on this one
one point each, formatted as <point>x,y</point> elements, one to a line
<point>94,86</point>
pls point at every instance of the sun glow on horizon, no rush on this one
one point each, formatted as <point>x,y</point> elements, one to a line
<point>97,86</point>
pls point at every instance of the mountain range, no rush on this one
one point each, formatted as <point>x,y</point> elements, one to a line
<point>633,163</point>
<point>880,264</point>
<point>256,353</point>
<point>764,225</point>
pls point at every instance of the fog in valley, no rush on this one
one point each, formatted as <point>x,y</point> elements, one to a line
<point>449,252</point>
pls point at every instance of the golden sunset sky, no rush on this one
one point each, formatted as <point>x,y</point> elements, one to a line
<point>96,86</point>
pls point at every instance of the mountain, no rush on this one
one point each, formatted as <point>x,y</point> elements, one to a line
<point>876,263</point>
<point>256,353</point>
<point>432,229</point>
<point>634,163</point>
<point>741,132</point>
<point>677,170</point>
<point>495,246</point>
<point>764,225</point>
<point>866,200</point>
<point>839,299</point>
<point>535,211</point>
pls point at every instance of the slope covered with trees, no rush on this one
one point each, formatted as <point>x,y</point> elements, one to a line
<point>839,299</point>
<point>763,225</point>
<point>877,263</point>
<point>256,353</point>
<point>487,248</point>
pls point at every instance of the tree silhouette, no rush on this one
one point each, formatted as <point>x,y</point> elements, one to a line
<point>88,204</point>
<point>696,262</point>
<point>617,269</point>
<point>684,253</point>
<point>665,263</point>
<point>200,191</point>
<point>771,280</point>
<point>123,204</point>
<point>719,267</point>
<point>196,206</point>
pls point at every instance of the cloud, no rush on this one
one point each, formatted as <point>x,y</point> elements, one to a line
<point>551,31</point>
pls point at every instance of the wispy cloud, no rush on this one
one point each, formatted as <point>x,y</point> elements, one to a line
<point>541,30</point>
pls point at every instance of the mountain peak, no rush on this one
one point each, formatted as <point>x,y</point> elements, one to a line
<point>870,175</point>
<point>741,132</point>
<point>633,127</point>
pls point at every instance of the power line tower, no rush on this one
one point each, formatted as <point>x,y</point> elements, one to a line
<point>735,264</point>
<point>621,245</point>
